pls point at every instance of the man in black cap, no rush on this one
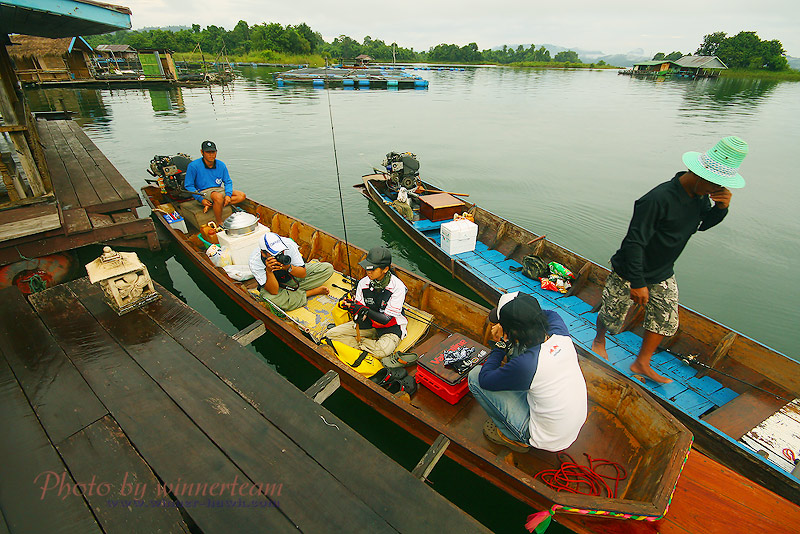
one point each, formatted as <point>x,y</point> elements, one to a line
<point>210,182</point>
<point>538,397</point>
<point>378,322</point>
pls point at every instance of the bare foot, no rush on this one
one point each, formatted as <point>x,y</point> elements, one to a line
<point>600,348</point>
<point>647,371</point>
<point>321,290</point>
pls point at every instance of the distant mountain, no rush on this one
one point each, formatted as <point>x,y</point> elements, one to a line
<point>794,62</point>
<point>592,56</point>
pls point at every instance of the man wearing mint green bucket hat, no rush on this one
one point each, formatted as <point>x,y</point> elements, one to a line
<point>663,221</point>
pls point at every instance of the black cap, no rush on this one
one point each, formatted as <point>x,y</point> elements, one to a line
<point>208,146</point>
<point>516,307</point>
<point>377,257</point>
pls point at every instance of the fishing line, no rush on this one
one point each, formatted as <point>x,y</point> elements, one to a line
<point>339,183</point>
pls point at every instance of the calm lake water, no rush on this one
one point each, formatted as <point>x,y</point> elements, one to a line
<point>564,153</point>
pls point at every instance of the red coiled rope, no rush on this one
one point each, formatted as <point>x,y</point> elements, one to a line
<point>574,478</point>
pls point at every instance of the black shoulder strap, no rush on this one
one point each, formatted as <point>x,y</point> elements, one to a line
<point>360,359</point>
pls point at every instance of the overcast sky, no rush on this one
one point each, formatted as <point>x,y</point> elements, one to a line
<point>610,26</point>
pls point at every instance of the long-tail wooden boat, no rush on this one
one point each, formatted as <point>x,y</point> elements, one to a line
<point>738,396</point>
<point>624,423</point>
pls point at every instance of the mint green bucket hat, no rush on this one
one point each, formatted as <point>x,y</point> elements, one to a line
<point>720,165</point>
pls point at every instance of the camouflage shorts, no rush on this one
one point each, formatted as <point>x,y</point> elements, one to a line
<point>660,313</point>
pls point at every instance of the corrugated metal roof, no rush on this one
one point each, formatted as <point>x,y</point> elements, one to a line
<point>703,62</point>
<point>114,48</point>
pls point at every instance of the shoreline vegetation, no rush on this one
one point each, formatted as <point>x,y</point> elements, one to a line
<point>272,43</point>
<point>278,58</point>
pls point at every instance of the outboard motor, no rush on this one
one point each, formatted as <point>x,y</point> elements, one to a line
<point>402,169</point>
<point>169,171</point>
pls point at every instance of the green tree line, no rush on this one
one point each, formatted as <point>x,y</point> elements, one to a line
<point>745,50</point>
<point>302,40</point>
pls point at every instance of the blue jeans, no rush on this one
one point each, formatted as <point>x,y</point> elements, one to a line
<point>508,409</point>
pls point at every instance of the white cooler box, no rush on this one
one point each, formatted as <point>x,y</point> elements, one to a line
<point>458,236</point>
<point>240,247</point>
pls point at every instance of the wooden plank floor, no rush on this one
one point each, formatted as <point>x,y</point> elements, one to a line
<point>109,423</point>
<point>82,176</point>
<point>93,202</point>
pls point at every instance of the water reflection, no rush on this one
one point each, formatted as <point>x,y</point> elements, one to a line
<point>731,93</point>
<point>167,101</point>
<point>566,152</point>
<point>86,103</point>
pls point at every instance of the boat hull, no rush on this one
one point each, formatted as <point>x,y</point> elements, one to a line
<point>614,391</point>
<point>708,439</point>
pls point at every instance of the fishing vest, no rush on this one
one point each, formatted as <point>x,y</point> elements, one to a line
<point>377,300</point>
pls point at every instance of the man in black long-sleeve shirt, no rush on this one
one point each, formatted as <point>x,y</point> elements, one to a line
<point>663,221</point>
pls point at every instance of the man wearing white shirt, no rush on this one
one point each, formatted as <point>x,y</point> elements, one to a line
<point>378,322</point>
<point>283,277</point>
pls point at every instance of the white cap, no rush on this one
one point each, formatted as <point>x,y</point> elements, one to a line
<point>494,315</point>
<point>272,243</point>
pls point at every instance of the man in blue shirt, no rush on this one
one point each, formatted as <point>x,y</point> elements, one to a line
<point>210,182</point>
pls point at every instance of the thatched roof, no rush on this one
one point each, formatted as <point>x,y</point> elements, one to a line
<point>28,45</point>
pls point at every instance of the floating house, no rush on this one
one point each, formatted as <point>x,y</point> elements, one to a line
<point>362,60</point>
<point>58,192</point>
<point>699,66</point>
<point>653,67</point>
<point>687,66</point>
<point>117,58</point>
<point>157,63</point>
<point>41,59</point>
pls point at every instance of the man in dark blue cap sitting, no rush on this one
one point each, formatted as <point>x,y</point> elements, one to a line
<point>538,397</point>
<point>378,322</point>
<point>208,179</point>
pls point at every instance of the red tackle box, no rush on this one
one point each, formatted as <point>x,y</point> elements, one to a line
<point>444,381</point>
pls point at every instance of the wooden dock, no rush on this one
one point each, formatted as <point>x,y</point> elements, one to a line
<point>159,422</point>
<point>91,202</point>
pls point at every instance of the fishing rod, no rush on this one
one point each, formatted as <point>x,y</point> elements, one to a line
<point>690,359</point>
<point>410,312</point>
<point>339,182</point>
<point>303,327</point>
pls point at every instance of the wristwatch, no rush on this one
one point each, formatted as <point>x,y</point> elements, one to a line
<point>500,344</point>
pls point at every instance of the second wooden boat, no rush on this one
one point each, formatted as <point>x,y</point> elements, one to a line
<point>738,396</point>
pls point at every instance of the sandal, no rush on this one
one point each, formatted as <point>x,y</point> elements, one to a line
<point>400,359</point>
<point>493,434</point>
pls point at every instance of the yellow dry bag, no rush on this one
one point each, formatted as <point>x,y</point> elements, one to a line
<point>360,360</point>
<point>340,316</point>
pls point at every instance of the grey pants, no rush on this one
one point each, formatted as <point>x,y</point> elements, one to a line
<point>317,273</point>
<point>380,347</point>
